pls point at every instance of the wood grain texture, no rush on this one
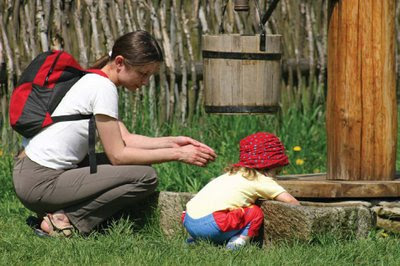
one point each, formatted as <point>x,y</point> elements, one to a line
<point>233,82</point>
<point>361,103</point>
<point>316,186</point>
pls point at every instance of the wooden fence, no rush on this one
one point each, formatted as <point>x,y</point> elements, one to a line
<point>88,28</point>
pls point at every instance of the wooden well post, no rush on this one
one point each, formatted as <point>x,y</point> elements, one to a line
<point>361,119</point>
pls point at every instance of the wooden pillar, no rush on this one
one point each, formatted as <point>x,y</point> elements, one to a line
<point>361,105</point>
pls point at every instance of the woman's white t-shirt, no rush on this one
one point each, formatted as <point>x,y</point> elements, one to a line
<point>64,144</point>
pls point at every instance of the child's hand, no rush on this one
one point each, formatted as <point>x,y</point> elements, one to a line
<point>288,198</point>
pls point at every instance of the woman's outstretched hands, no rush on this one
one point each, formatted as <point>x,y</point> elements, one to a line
<point>193,151</point>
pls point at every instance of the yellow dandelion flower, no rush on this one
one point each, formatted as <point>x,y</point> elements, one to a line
<point>299,161</point>
<point>297,148</point>
<point>383,234</point>
<point>1,152</point>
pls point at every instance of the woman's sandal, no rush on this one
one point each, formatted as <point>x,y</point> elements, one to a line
<point>56,229</point>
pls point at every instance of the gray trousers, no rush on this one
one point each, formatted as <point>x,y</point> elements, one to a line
<point>87,199</point>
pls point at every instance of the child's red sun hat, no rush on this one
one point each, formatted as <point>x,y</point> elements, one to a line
<point>262,150</point>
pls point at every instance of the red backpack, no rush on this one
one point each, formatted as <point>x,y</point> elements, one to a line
<point>40,89</point>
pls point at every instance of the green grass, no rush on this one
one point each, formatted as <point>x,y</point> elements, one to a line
<point>223,133</point>
<point>127,242</point>
<point>124,243</point>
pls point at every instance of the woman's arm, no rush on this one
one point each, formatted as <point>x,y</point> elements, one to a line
<point>288,198</point>
<point>140,141</point>
<point>144,142</point>
<point>119,153</point>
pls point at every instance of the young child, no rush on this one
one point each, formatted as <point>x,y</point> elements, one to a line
<point>224,209</point>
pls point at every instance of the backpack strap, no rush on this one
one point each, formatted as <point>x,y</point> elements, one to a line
<point>63,118</point>
<point>97,71</point>
<point>92,131</point>
<point>92,143</point>
<point>92,135</point>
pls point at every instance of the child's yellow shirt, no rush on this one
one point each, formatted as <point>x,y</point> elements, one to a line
<point>228,192</point>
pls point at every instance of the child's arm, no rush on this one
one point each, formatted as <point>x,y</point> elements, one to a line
<point>286,197</point>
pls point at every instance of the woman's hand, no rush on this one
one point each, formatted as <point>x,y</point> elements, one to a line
<point>122,147</point>
<point>183,141</point>
<point>196,155</point>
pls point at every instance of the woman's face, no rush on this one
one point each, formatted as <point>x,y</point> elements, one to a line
<point>134,77</point>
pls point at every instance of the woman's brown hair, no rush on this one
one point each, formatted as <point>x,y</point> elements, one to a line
<point>137,48</point>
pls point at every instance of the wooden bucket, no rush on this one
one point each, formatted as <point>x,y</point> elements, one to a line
<point>238,77</point>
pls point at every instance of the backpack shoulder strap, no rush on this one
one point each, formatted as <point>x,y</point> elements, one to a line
<point>97,71</point>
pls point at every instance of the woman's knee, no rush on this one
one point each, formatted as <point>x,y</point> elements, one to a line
<point>149,177</point>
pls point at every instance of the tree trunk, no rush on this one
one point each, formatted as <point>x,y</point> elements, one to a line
<point>105,24</point>
<point>40,16</point>
<point>83,58</point>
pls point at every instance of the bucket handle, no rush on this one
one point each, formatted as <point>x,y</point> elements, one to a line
<point>263,21</point>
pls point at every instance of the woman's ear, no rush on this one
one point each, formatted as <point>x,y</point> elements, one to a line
<point>119,61</point>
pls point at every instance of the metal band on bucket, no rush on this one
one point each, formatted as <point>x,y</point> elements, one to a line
<point>241,56</point>
<point>241,109</point>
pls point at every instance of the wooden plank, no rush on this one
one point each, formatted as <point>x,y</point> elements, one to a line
<point>389,91</point>
<point>370,190</point>
<point>377,78</point>
<point>227,81</point>
<point>384,88</point>
<point>391,95</point>
<point>338,151</point>
<point>352,92</point>
<point>311,189</point>
<point>209,68</point>
<point>317,187</point>
<point>332,67</point>
<point>304,177</point>
<point>206,71</point>
<point>249,80</point>
<point>367,88</point>
<point>218,93</point>
<point>236,73</point>
<point>216,45</point>
<point>341,120</point>
<point>262,79</point>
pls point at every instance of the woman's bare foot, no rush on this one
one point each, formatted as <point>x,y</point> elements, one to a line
<point>51,222</point>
